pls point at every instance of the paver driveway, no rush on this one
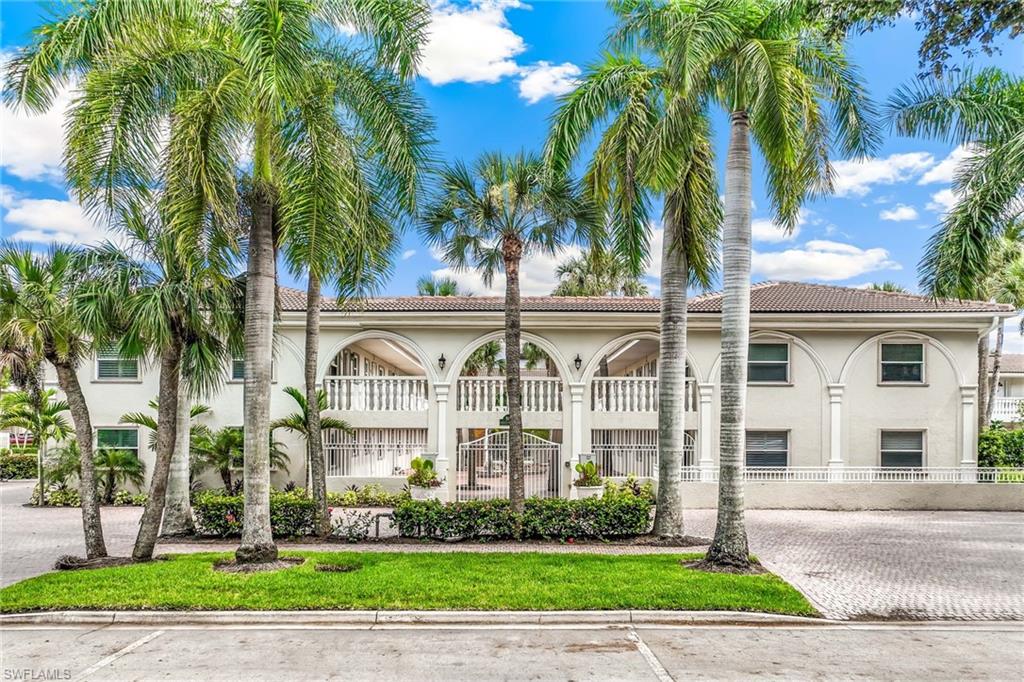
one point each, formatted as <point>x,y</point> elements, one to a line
<point>907,565</point>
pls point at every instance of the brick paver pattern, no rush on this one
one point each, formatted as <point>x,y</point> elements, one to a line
<point>867,564</point>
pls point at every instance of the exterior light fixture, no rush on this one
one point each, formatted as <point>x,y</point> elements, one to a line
<point>441,361</point>
<point>578,361</point>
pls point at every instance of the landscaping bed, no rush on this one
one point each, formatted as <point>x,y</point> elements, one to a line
<point>411,581</point>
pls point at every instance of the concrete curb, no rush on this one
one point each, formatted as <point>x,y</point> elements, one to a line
<point>371,618</point>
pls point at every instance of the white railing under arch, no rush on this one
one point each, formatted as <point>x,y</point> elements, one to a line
<point>482,467</point>
<point>489,394</point>
<point>377,394</point>
<point>634,394</point>
<point>1007,409</point>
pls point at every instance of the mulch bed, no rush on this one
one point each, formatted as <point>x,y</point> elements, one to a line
<point>230,566</point>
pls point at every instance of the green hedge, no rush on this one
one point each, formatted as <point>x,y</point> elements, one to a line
<point>219,514</point>
<point>615,516</point>
<point>17,466</point>
<point>1000,447</point>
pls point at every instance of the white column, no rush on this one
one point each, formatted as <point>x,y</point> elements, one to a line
<point>447,491</point>
<point>835,432</point>
<point>969,436</point>
<point>707,462</point>
<point>576,391</point>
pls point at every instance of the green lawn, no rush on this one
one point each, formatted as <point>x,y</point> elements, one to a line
<point>422,581</point>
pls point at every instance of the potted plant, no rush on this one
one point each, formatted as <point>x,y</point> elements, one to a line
<point>589,483</point>
<point>423,481</point>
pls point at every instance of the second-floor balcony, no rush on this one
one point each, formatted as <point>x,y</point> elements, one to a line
<point>377,393</point>
<point>634,394</point>
<point>489,394</point>
<point>1007,409</point>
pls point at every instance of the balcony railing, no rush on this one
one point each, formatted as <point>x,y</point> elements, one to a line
<point>488,394</point>
<point>1007,409</point>
<point>375,460</point>
<point>869,474</point>
<point>376,394</point>
<point>634,394</point>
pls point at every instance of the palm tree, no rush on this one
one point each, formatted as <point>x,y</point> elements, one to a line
<point>654,144</point>
<point>491,217</point>
<point>220,73</point>
<point>597,272</point>
<point>223,450</point>
<point>298,422</point>
<point>40,415</point>
<point>889,286</point>
<point>174,300</point>
<point>1004,284</point>
<point>488,358</point>
<point>178,509</point>
<point>437,286</point>
<point>40,317</point>
<point>117,468</point>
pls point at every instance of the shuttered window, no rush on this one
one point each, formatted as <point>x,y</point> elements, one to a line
<point>902,363</point>
<point>111,365</point>
<point>118,439</point>
<point>902,448</point>
<point>237,368</point>
<point>768,363</point>
<point>767,448</point>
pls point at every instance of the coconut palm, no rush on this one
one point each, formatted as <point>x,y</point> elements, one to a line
<point>653,145</point>
<point>40,415</point>
<point>270,73</point>
<point>437,286</point>
<point>597,272</point>
<point>40,317</point>
<point>491,216</point>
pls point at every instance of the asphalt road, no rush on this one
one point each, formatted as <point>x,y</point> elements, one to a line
<point>423,653</point>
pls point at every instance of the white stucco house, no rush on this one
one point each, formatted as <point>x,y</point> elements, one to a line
<point>857,398</point>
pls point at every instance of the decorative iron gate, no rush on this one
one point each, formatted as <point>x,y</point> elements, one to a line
<point>482,467</point>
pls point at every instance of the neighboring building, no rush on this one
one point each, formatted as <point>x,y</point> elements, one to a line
<point>1010,391</point>
<point>845,385</point>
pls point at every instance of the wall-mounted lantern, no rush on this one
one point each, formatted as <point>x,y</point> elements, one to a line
<point>578,361</point>
<point>441,361</point>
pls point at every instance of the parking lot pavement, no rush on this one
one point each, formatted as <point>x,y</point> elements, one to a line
<point>921,651</point>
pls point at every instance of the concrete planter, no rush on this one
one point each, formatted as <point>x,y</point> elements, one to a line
<point>589,491</point>
<point>420,493</point>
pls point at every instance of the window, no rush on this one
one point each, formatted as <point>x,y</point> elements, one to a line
<point>902,448</point>
<point>238,368</point>
<point>118,439</point>
<point>110,365</point>
<point>902,363</point>
<point>768,363</point>
<point>767,448</point>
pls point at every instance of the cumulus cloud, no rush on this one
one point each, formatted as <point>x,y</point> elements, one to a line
<point>545,79</point>
<point>47,220</point>
<point>1013,340</point>
<point>766,230</point>
<point>536,275</point>
<point>821,259</point>
<point>406,255</point>
<point>943,201</point>
<point>856,177</point>
<point>33,144</point>
<point>471,43</point>
<point>899,213</point>
<point>944,171</point>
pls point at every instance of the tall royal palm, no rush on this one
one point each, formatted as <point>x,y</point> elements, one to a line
<point>490,217</point>
<point>655,145</point>
<point>40,315</point>
<point>233,78</point>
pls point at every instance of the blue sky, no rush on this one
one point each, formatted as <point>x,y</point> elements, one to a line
<point>490,77</point>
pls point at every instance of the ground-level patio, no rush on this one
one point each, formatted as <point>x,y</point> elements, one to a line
<point>904,565</point>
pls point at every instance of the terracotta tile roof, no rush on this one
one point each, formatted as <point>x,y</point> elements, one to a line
<point>1012,363</point>
<point>766,297</point>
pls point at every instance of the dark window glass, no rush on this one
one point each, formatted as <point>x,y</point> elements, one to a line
<point>768,362</point>
<point>902,448</point>
<point>902,362</point>
<point>767,448</point>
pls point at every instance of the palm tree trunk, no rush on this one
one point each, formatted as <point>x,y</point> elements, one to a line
<point>41,456</point>
<point>178,510</point>
<point>166,435</point>
<point>982,382</point>
<point>314,436</point>
<point>729,547</point>
<point>95,548</point>
<point>993,380</point>
<point>257,539</point>
<point>513,252</point>
<point>668,519</point>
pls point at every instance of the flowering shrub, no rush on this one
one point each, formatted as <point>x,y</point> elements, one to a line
<point>219,514</point>
<point>621,515</point>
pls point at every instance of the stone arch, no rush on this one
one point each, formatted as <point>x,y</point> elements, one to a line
<point>819,364</point>
<point>499,335</point>
<point>931,340</point>
<point>595,362</point>
<point>327,358</point>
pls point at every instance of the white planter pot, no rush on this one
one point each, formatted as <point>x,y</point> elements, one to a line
<point>589,491</point>
<point>420,493</point>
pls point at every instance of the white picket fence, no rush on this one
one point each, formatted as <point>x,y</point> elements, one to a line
<point>481,468</point>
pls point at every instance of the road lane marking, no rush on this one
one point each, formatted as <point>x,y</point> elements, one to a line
<point>656,667</point>
<point>116,655</point>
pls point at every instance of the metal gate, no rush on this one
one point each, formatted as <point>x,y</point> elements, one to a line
<point>482,467</point>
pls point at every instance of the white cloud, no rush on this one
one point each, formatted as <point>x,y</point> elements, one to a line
<point>536,275</point>
<point>406,255</point>
<point>1013,341</point>
<point>47,220</point>
<point>899,213</point>
<point>545,79</point>
<point>471,43</point>
<point>766,230</point>
<point>946,168</point>
<point>821,259</point>
<point>33,144</point>
<point>943,201</point>
<point>855,177</point>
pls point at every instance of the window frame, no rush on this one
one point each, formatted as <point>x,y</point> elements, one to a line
<point>789,362</point>
<point>897,341</point>
<point>137,379</point>
<point>789,447</point>
<point>118,427</point>
<point>924,446</point>
<point>231,370</point>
